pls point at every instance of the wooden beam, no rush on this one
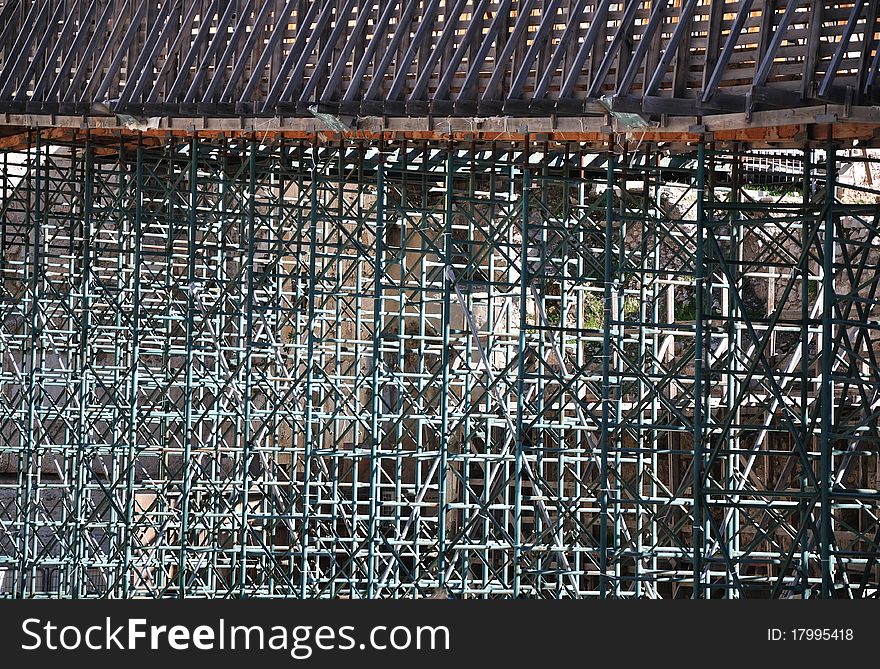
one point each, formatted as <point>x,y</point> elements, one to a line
<point>765,63</point>
<point>598,80</point>
<point>645,42</point>
<point>808,85</point>
<point>842,45</point>
<point>180,59</point>
<point>733,37</point>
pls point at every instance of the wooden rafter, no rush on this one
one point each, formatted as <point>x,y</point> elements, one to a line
<point>183,58</point>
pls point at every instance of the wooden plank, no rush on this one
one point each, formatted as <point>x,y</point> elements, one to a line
<point>597,28</point>
<point>232,43</point>
<point>735,33</point>
<point>647,36</point>
<point>192,54</point>
<point>817,8</point>
<point>293,87</point>
<point>172,56</point>
<point>324,57</point>
<point>425,25</point>
<point>548,73</point>
<point>472,35</point>
<point>443,57</point>
<point>842,45</point>
<point>713,39</point>
<point>280,22</point>
<point>765,63</point>
<point>548,17</point>
<point>333,85</point>
<point>620,35</point>
<point>469,86</point>
<point>677,48</point>
<point>377,39</point>
<point>493,87</point>
<point>376,84</point>
<point>293,55</point>
<point>868,43</point>
<point>21,49</point>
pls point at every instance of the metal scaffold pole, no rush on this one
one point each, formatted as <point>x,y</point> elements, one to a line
<point>253,366</point>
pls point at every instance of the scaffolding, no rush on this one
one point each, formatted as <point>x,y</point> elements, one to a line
<point>252,367</point>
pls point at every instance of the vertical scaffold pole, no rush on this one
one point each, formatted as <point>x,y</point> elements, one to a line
<point>249,320</point>
<point>89,234</point>
<point>188,436</point>
<point>29,441</point>
<point>128,532</point>
<point>803,479</point>
<point>445,373</point>
<point>521,372</point>
<point>698,375</point>
<point>606,371</point>
<point>826,392</point>
<point>376,382</point>
<point>308,437</point>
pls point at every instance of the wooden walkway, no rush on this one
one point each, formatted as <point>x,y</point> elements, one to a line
<point>461,58</point>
